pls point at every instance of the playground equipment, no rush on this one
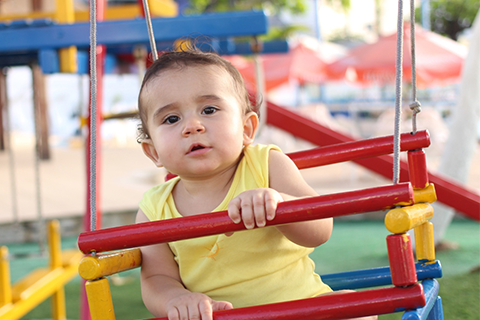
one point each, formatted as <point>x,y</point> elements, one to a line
<point>392,298</point>
<point>31,290</point>
<point>124,11</point>
<point>39,43</point>
<point>65,14</point>
<point>403,273</point>
<point>411,211</point>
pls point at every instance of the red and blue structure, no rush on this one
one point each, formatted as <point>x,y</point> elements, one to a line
<point>411,286</point>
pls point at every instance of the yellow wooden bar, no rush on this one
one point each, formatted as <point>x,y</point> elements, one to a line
<point>54,244</point>
<point>424,242</point>
<point>5,286</point>
<point>54,247</point>
<point>34,15</point>
<point>65,14</point>
<point>158,8</point>
<point>100,299</point>
<point>400,220</point>
<point>38,285</point>
<point>94,267</point>
<point>183,44</point>
<point>59,311</point>
<point>27,294</point>
<point>426,194</point>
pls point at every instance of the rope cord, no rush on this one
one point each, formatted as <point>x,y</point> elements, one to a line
<point>151,36</point>
<point>93,100</point>
<point>93,114</point>
<point>11,155</point>
<point>398,95</point>
<point>415,105</point>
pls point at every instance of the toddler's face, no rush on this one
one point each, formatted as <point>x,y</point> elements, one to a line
<point>195,121</point>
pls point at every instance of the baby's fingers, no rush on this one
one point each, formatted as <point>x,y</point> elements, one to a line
<point>206,310</point>
<point>271,203</point>
<point>259,211</point>
<point>234,210</point>
<point>221,305</point>
<point>176,314</point>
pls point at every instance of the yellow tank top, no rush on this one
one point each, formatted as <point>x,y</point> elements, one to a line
<point>251,267</point>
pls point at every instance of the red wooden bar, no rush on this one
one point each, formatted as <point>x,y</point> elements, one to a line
<point>325,206</point>
<point>335,306</point>
<point>463,199</point>
<point>360,149</point>
<point>417,169</point>
<point>401,260</point>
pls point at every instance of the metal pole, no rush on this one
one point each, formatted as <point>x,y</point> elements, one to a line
<point>426,15</point>
<point>318,30</point>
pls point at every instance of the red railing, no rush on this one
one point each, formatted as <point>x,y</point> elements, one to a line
<point>326,206</point>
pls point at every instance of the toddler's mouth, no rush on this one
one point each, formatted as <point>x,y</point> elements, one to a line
<point>196,147</point>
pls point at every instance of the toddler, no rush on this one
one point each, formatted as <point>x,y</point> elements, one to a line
<point>197,122</point>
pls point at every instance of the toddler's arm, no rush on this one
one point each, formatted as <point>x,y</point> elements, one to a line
<point>255,207</point>
<point>162,290</point>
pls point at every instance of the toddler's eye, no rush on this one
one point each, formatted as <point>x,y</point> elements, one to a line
<point>209,110</point>
<point>171,119</point>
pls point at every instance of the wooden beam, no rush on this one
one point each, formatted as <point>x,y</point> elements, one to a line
<point>40,112</point>
<point>3,107</point>
<point>36,5</point>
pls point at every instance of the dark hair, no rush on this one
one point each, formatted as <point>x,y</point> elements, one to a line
<point>184,58</point>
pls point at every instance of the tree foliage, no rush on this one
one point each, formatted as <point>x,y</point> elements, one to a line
<point>271,6</point>
<point>451,17</point>
<point>343,5</point>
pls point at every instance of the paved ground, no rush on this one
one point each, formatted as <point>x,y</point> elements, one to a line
<point>126,173</point>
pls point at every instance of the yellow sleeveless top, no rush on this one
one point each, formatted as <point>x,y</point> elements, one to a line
<point>251,267</point>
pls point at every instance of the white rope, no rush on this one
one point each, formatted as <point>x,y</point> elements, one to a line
<point>151,36</point>
<point>11,155</point>
<point>93,114</point>
<point>398,95</point>
<point>415,105</point>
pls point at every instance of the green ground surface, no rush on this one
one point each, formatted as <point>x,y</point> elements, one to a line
<point>354,245</point>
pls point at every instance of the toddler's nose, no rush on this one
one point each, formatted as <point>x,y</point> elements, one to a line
<point>193,126</point>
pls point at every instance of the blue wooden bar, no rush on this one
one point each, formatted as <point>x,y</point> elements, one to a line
<point>377,276</point>
<point>27,41</point>
<point>34,37</point>
<point>430,288</point>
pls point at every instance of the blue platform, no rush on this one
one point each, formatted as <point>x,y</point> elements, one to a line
<point>24,42</point>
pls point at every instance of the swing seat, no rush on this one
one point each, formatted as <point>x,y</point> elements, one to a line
<point>414,213</point>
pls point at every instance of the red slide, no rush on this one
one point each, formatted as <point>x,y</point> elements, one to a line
<point>449,192</point>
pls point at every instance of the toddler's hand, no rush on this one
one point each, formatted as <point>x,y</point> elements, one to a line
<point>194,306</point>
<point>254,207</point>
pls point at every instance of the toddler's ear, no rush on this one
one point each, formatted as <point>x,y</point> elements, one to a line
<point>150,151</point>
<point>250,126</point>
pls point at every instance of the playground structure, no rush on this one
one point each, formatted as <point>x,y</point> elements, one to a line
<point>412,212</point>
<point>18,299</point>
<point>123,11</point>
<point>44,42</point>
<point>49,55</point>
